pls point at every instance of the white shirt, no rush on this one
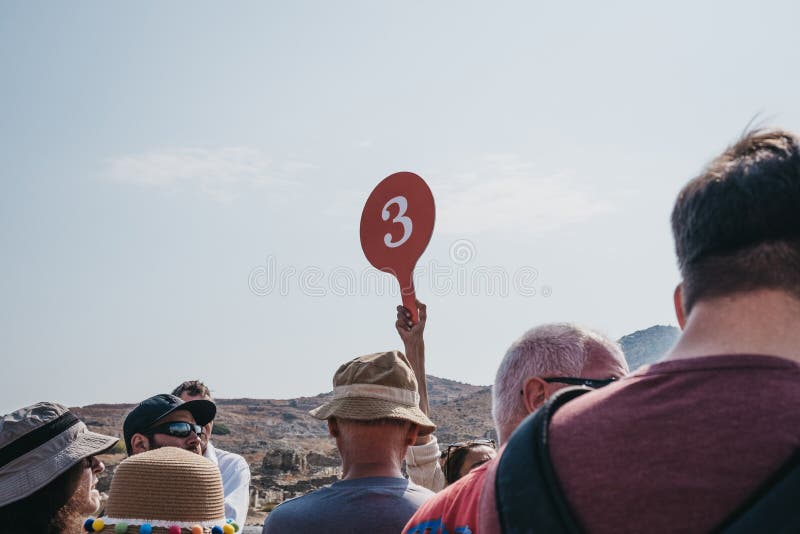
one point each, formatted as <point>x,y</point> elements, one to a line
<point>422,465</point>
<point>235,482</point>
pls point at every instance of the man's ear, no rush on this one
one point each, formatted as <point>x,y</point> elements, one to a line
<point>412,434</point>
<point>139,443</point>
<point>333,427</point>
<point>677,298</point>
<point>534,393</point>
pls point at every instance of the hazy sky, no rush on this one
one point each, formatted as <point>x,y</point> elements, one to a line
<point>182,182</point>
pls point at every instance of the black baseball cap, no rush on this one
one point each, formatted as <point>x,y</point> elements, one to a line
<point>149,411</point>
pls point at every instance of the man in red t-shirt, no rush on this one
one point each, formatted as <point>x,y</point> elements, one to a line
<point>680,445</point>
<point>544,360</point>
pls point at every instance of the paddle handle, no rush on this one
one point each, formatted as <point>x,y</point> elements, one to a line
<point>410,302</point>
<point>406,280</point>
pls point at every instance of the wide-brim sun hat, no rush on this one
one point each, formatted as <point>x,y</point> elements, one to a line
<point>40,442</point>
<point>162,489</point>
<point>376,386</point>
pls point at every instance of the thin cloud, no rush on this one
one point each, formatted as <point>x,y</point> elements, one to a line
<point>294,166</point>
<point>505,193</point>
<point>221,173</point>
<point>500,193</point>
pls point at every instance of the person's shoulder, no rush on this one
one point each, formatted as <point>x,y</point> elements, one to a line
<point>420,490</point>
<point>230,458</point>
<point>437,502</point>
<point>227,454</point>
<point>395,484</point>
<point>453,507</point>
<point>400,489</point>
<point>700,377</point>
<point>291,506</point>
<point>464,487</point>
<point>461,489</point>
<point>739,362</point>
<point>287,514</point>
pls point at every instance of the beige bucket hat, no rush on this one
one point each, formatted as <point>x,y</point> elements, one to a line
<point>40,442</point>
<point>376,386</point>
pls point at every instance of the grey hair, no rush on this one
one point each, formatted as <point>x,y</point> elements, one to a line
<point>559,349</point>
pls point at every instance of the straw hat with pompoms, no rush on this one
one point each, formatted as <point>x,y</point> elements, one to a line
<point>165,491</point>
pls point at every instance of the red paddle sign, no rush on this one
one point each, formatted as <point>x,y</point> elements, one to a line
<point>396,226</point>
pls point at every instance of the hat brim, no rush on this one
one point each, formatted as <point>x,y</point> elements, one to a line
<point>202,410</point>
<point>366,409</point>
<point>28,479</point>
<point>90,443</point>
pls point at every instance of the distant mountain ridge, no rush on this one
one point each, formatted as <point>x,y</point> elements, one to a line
<point>647,346</point>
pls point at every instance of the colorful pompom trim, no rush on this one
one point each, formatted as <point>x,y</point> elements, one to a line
<point>93,525</point>
<point>97,524</point>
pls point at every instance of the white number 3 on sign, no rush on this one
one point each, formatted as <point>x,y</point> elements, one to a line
<point>402,205</point>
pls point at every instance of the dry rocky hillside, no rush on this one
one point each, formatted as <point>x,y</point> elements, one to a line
<point>290,453</point>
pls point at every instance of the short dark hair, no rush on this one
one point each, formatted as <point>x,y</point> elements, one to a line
<point>453,463</point>
<point>193,388</point>
<point>737,225</point>
<point>456,454</point>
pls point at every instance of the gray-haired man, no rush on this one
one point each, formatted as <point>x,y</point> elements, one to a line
<point>542,361</point>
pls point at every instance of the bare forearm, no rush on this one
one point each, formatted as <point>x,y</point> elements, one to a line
<point>415,352</point>
<point>412,336</point>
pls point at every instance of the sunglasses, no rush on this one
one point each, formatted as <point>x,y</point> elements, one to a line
<point>575,381</point>
<point>178,429</point>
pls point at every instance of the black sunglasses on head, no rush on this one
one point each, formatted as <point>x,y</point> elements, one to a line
<point>575,381</point>
<point>178,429</point>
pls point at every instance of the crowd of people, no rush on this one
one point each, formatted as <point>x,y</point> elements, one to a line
<point>173,478</point>
<point>705,440</point>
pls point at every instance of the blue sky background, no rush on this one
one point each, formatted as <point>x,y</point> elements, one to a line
<point>155,156</point>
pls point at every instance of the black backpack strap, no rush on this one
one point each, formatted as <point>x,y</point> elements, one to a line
<point>773,507</point>
<point>528,495</point>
